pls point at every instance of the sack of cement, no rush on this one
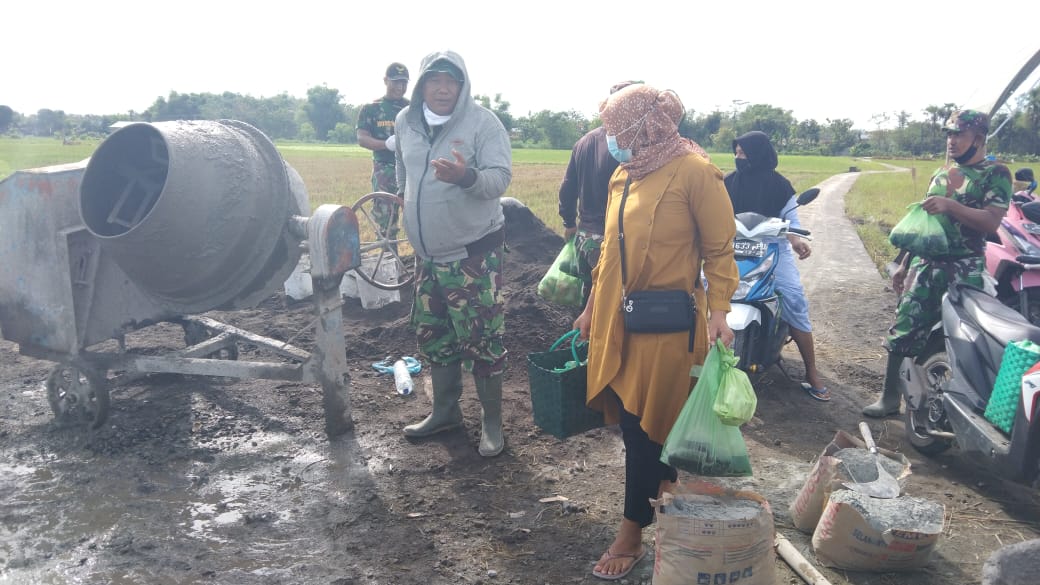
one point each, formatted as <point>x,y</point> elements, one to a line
<point>861,533</point>
<point>844,460</point>
<point>710,534</point>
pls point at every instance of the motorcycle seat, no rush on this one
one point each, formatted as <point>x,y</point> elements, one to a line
<point>995,318</point>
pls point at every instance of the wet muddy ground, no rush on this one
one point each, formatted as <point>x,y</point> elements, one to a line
<point>203,480</point>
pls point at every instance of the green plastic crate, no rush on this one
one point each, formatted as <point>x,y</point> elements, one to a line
<point>558,398</point>
<point>1019,356</point>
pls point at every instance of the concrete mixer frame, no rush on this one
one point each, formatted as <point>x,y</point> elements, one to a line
<point>78,387</point>
<point>73,276</point>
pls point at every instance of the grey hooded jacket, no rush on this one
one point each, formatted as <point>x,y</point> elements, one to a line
<point>442,218</point>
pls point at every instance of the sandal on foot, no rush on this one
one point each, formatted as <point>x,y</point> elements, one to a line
<point>821,394</point>
<point>636,557</point>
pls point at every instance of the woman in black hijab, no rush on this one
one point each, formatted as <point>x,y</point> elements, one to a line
<point>756,186</point>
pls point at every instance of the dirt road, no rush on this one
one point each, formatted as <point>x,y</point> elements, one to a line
<point>195,480</point>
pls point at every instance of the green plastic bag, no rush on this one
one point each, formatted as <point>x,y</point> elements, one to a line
<point>557,286</point>
<point>699,443</point>
<point>921,233</point>
<point>736,401</point>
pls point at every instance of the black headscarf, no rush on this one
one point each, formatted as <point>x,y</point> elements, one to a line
<point>760,188</point>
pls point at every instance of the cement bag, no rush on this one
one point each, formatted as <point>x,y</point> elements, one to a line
<point>844,459</point>
<point>710,534</point>
<point>861,533</point>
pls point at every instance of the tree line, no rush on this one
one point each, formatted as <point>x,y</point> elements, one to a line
<point>323,117</point>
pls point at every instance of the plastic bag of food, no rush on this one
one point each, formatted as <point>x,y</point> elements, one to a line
<point>699,443</point>
<point>559,285</point>
<point>736,401</point>
<point>921,233</point>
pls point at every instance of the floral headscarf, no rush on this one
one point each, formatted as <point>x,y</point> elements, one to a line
<point>646,120</point>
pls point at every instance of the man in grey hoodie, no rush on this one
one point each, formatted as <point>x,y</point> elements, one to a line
<point>454,163</point>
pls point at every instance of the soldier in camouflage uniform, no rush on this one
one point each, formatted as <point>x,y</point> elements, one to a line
<point>454,165</point>
<point>375,131</point>
<point>973,194</point>
<point>583,198</point>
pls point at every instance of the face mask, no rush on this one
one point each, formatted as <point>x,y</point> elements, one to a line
<point>622,155</point>
<point>743,165</point>
<point>433,118</point>
<point>968,154</point>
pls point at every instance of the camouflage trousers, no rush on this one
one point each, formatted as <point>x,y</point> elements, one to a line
<point>458,314</point>
<point>588,245</point>
<point>920,307</point>
<point>384,178</point>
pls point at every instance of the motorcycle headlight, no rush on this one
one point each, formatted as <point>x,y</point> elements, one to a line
<point>748,280</point>
<point>743,288</point>
<point>1026,246</point>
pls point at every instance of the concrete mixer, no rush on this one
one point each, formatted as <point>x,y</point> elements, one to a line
<point>164,222</point>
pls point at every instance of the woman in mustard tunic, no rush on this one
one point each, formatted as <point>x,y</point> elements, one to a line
<point>678,219</point>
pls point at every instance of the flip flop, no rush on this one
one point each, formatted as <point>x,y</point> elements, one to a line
<point>386,365</point>
<point>610,556</point>
<point>821,394</point>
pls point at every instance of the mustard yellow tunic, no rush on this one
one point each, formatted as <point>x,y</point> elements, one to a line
<point>677,219</point>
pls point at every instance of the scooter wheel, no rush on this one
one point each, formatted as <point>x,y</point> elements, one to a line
<point>930,414</point>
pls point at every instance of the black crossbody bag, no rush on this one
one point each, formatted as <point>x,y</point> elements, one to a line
<point>653,311</point>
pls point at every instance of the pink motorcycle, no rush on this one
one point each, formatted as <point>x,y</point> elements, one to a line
<point>1013,257</point>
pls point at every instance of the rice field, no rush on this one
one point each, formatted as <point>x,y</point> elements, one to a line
<point>340,174</point>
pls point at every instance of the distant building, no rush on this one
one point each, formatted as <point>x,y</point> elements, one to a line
<point>117,125</point>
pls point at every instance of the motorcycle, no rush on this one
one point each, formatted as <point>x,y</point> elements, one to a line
<point>755,310</point>
<point>1013,257</point>
<point>947,387</point>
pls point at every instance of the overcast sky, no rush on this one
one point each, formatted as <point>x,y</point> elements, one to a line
<point>818,59</point>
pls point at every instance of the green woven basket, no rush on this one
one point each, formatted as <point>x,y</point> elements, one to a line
<point>557,378</point>
<point>1019,356</point>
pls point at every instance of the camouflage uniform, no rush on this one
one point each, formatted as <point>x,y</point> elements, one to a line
<point>977,186</point>
<point>458,311</point>
<point>587,245</point>
<point>377,118</point>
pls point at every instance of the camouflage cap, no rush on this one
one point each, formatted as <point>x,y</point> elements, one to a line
<point>396,72</point>
<point>962,120</point>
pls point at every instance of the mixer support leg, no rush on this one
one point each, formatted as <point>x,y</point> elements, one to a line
<point>330,356</point>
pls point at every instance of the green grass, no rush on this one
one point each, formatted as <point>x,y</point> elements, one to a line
<point>541,156</point>
<point>29,153</point>
<point>304,149</point>
<point>340,174</point>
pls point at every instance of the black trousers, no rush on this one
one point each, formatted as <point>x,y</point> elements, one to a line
<point>644,471</point>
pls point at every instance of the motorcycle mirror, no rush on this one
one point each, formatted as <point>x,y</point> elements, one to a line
<point>1032,211</point>
<point>808,196</point>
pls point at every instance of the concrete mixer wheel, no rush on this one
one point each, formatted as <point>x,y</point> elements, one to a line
<point>78,394</point>
<point>379,218</point>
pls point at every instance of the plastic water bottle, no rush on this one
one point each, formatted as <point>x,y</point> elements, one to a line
<point>402,378</point>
